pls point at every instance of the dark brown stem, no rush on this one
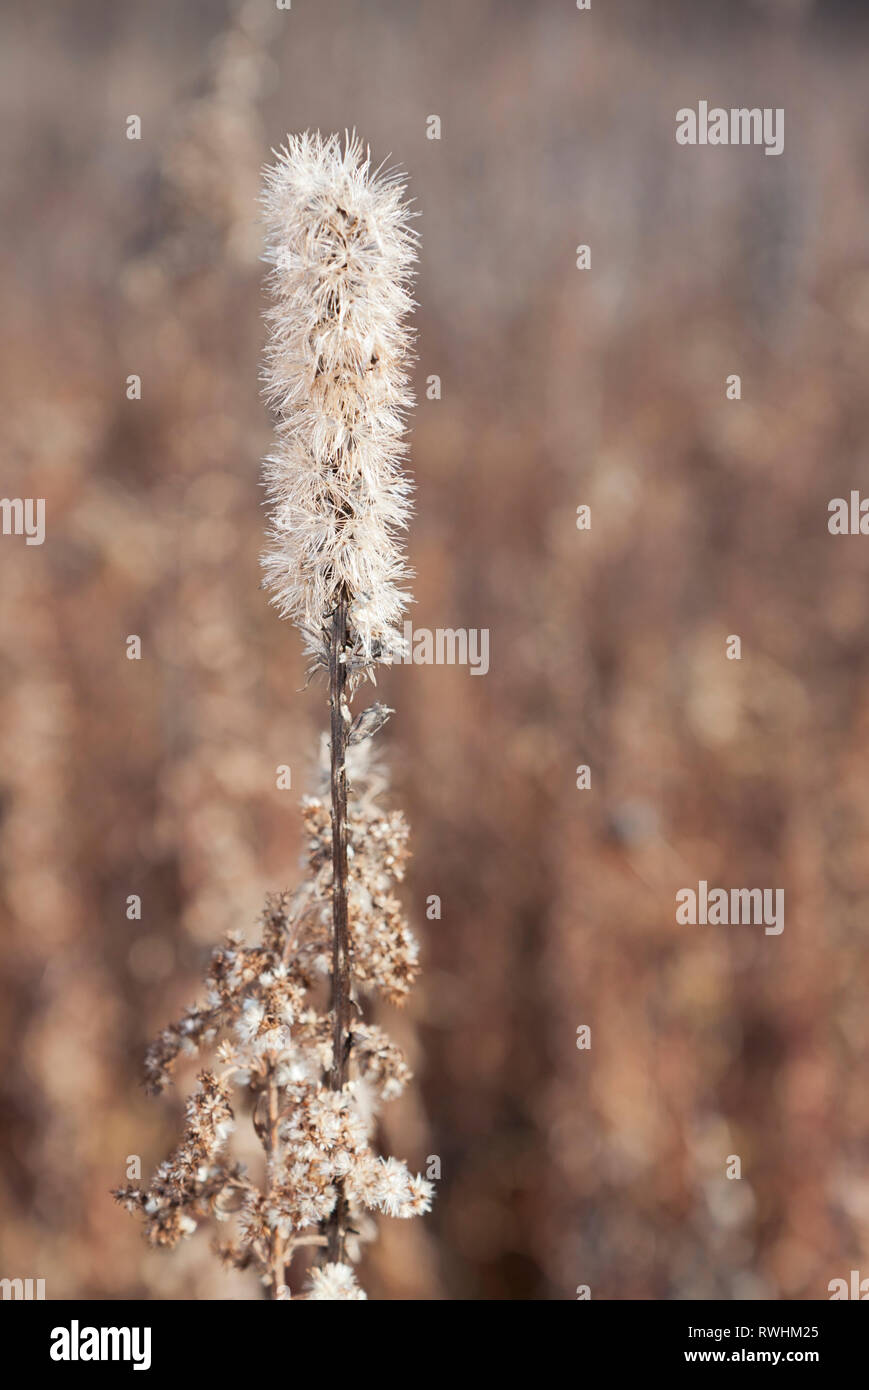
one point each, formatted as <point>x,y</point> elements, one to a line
<point>278,1263</point>
<point>340,929</point>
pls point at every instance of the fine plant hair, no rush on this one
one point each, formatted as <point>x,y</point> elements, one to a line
<point>282,1021</point>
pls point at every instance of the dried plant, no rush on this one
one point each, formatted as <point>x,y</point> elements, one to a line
<point>283,1019</point>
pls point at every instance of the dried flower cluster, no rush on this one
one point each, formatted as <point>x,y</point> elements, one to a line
<point>282,1020</point>
<point>261,1024</point>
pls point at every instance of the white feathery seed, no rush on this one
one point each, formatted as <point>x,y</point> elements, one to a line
<point>342,249</point>
<point>333,1283</point>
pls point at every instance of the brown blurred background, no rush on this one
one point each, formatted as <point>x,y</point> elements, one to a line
<point>559,387</point>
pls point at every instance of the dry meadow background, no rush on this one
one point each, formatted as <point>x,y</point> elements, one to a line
<point>559,387</point>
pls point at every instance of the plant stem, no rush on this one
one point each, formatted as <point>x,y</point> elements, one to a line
<point>340,930</point>
<point>278,1267</point>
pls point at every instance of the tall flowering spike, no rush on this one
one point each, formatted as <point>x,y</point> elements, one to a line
<point>342,247</point>
<point>314,1080</point>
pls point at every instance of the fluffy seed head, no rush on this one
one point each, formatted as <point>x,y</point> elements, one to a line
<point>342,249</point>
